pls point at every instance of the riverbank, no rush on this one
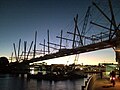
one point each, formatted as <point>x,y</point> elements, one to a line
<point>105,84</point>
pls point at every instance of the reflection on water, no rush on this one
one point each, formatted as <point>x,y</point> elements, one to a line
<point>10,82</point>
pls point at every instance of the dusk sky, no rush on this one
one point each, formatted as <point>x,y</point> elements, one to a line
<point>19,19</point>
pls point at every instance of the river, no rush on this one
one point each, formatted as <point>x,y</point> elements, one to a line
<point>12,82</point>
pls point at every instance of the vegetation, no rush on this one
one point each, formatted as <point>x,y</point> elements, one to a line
<point>3,61</point>
<point>4,65</point>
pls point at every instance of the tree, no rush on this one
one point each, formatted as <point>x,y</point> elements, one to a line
<point>4,61</point>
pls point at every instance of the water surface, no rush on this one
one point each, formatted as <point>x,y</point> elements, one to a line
<point>12,82</point>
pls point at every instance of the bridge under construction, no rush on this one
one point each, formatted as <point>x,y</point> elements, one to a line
<point>81,42</point>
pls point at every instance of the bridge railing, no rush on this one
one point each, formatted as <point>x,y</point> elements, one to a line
<point>88,84</point>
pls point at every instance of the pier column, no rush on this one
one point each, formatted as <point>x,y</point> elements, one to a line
<point>118,59</point>
<point>117,50</point>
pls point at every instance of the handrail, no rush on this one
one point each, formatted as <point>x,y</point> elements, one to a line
<point>89,82</point>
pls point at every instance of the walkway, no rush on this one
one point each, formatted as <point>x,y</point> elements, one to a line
<point>104,84</point>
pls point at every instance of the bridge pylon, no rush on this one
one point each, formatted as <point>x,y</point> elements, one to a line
<point>114,31</point>
<point>117,49</point>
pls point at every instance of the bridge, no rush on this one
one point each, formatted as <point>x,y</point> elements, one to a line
<point>81,42</point>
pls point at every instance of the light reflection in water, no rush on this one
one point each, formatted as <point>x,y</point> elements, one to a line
<point>10,82</point>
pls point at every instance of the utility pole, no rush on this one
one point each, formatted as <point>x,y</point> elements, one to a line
<point>15,52</point>
<point>44,47</point>
<point>83,32</point>
<point>48,42</point>
<point>61,39</point>
<point>76,29</point>
<point>34,53</point>
<point>19,48</point>
<point>74,33</point>
<point>25,44</point>
<point>29,49</point>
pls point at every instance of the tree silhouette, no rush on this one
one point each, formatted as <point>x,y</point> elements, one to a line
<point>4,61</point>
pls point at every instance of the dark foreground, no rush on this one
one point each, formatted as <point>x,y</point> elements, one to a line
<point>12,82</point>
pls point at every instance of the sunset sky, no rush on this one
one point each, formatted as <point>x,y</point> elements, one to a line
<point>19,19</point>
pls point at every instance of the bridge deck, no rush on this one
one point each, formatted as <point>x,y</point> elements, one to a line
<point>78,50</point>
